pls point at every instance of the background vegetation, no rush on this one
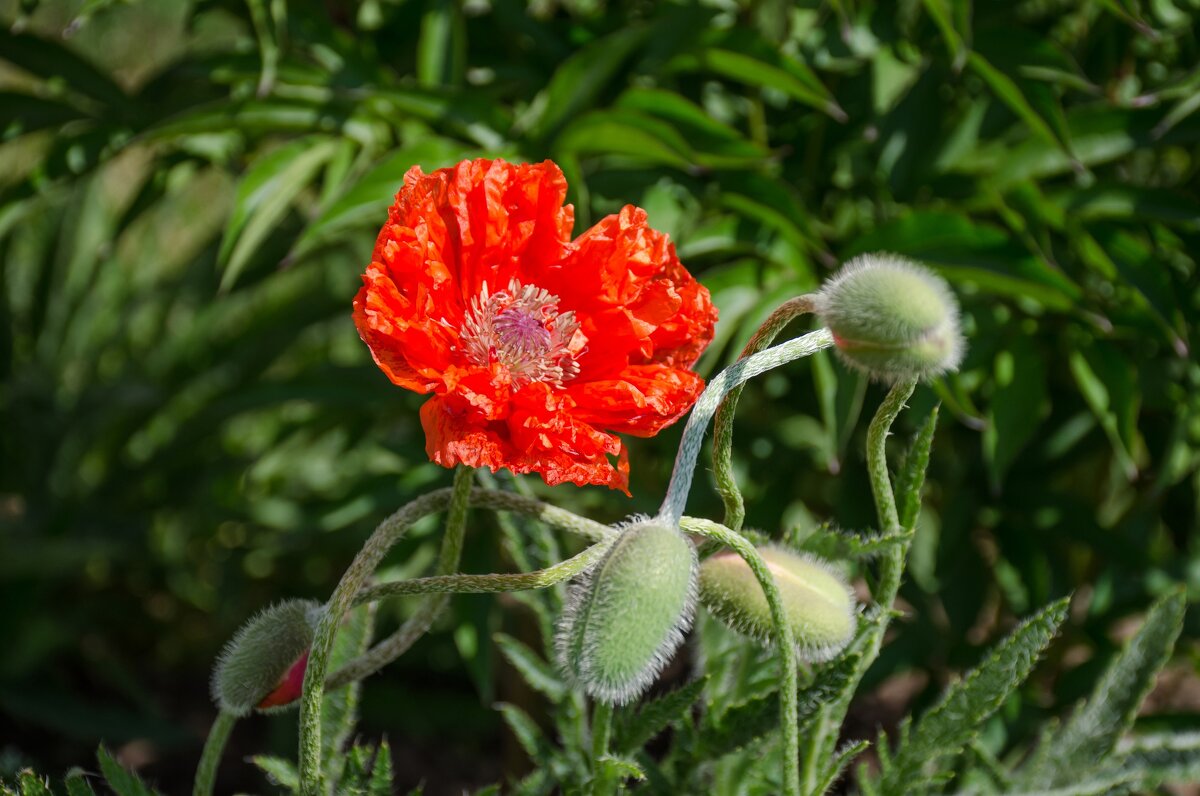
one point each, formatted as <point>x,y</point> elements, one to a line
<point>190,428</point>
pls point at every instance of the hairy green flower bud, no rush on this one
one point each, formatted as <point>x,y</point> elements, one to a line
<point>263,665</point>
<point>816,600</point>
<point>892,318</point>
<point>628,617</point>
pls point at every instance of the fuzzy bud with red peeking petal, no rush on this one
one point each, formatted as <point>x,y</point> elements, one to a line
<point>263,666</point>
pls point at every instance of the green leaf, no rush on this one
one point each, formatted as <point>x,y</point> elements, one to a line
<point>839,544</point>
<point>1095,728</point>
<point>911,477</point>
<point>948,726</point>
<point>50,60</point>
<point>1112,398</point>
<point>280,771</point>
<point>1017,408</point>
<point>263,196</point>
<point>840,761</point>
<point>527,733</point>
<point>966,251</point>
<point>1158,759</point>
<point>77,785</point>
<point>122,781</point>
<point>364,204</point>
<point>442,46</point>
<point>618,769</point>
<point>746,722</point>
<point>635,728</point>
<point>747,59</point>
<point>537,673</point>
<point>380,783</point>
<point>33,785</point>
<point>1011,95</point>
<point>579,81</point>
<point>626,133</point>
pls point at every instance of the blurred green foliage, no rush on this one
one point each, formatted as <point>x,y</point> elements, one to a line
<point>190,428</point>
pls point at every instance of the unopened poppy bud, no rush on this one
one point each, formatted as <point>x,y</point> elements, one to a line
<point>818,604</point>
<point>628,617</point>
<point>892,318</point>
<point>263,666</point>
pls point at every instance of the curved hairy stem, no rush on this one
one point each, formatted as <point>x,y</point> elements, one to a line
<point>486,584</point>
<point>737,373</point>
<point>881,487</point>
<point>398,643</point>
<point>722,452</point>
<point>790,679</point>
<point>364,564</point>
<point>602,782</point>
<point>214,747</point>
<point>820,743</point>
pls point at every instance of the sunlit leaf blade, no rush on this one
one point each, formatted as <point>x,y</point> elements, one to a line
<point>951,723</point>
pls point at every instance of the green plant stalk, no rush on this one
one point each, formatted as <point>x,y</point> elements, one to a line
<point>722,449</point>
<point>214,747</point>
<point>398,643</point>
<point>820,743</point>
<point>790,679</point>
<point>602,716</point>
<point>487,584</point>
<point>706,406</point>
<point>352,581</point>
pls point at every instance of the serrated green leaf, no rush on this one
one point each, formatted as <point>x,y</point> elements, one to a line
<point>911,477</point>
<point>839,544</point>
<point>840,761</point>
<point>748,721</point>
<point>537,673</point>
<point>280,771</point>
<point>380,783</point>
<point>949,725</point>
<point>636,727</point>
<point>77,785</point>
<point>1094,729</point>
<point>527,733</point>
<point>1158,759</point>
<point>31,784</point>
<point>121,780</point>
<point>618,769</point>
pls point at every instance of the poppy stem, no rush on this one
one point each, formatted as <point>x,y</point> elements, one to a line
<point>790,678</point>
<point>487,584</point>
<point>364,564</point>
<point>398,643</point>
<point>828,725</point>
<point>722,449</point>
<point>214,747</point>
<point>724,382</point>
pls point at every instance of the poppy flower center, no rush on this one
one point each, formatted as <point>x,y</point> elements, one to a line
<point>521,329</point>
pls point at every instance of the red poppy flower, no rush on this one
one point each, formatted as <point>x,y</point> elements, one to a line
<point>538,350</point>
